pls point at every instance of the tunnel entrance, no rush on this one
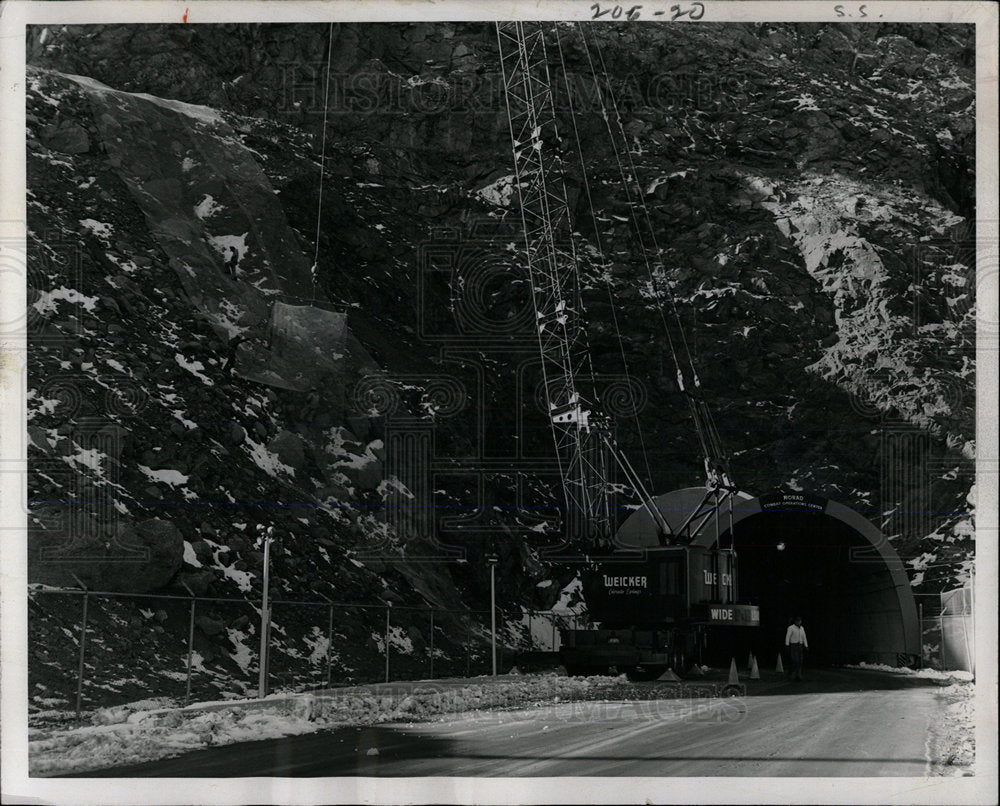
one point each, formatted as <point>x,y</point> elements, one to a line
<point>801,554</point>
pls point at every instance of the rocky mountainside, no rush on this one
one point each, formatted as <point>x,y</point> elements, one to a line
<point>811,188</point>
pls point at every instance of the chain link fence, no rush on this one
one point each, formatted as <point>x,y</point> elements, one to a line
<point>127,647</point>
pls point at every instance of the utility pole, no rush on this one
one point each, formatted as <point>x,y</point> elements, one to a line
<point>493,559</point>
<point>265,615</point>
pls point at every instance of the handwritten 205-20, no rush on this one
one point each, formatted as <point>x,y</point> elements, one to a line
<point>694,11</point>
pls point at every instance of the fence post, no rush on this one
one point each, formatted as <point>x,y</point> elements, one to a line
<point>432,643</point>
<point>468,647</point>
<point>387,608</point>
<point>265,612</point>
<point>944,664</point>
<point>965,633</point>
<point>267,653</point>
<point>329,644</point>
<point>920,622</point>
<point>83,649</point>
<point>187,685</point>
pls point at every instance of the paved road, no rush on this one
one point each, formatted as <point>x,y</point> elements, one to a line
<point>840,723</point>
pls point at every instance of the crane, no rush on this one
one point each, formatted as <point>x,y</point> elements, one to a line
<point>583,435</point>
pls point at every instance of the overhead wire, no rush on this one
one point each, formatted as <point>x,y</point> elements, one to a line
<point>314,270</point>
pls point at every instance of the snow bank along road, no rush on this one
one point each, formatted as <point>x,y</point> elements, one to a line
<point>838,723</point>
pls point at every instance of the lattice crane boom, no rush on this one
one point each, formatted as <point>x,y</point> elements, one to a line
<point>583,437</point>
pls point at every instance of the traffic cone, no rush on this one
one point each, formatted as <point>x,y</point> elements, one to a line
<point>754,671</point>
<point>734,677</point>
<point>780,668</point>
<point>749,661</point>
<point>669,676</point>
<point>695,671</point>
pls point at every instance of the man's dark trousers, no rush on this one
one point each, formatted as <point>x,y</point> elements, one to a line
<point>795,668</point>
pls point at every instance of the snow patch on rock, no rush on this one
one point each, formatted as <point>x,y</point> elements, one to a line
<point>174,478</point>
<point>500,192</point>
<point>207,207</point>
<point>47,301</point>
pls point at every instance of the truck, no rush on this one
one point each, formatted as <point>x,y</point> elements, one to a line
<point>653,610</point>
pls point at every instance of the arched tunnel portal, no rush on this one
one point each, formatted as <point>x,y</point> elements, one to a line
<point>801,554</point>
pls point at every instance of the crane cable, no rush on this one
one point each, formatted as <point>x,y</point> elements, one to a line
<point>654,286</point>
<point>704,423</point>
<point>599,246</point>
<point>645,211</point>
<point>313,271</point>
<point>713,436</point>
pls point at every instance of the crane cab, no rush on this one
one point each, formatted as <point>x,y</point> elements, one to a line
<point>652,607</point>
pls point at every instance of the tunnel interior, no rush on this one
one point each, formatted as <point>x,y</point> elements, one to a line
<point>814,565</point>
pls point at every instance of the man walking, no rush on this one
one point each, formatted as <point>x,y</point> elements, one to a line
<point>229,361</point>
<point>795,640</point>
<point>232,260</point>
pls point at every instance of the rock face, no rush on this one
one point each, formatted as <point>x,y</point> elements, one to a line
<point>139,558</point>
<point>199,360</point>
<point>66,137</point>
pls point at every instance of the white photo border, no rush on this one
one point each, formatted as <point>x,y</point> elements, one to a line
<point>19,788</point>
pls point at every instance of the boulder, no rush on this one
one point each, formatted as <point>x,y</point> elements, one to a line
<point>209,625</point>
<point>114,439</point>
<point>199,582</point>
<point>141,557</point>
<point>366,476</point>
<point>67,137</point>
<point>203,551</point>
<point>237,433</point>
<point>39,439</point>
<point>290,449</point>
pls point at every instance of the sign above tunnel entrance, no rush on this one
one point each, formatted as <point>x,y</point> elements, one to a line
<point>792,501</point>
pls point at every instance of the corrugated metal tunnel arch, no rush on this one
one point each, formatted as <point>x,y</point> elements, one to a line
<point>803,554</point>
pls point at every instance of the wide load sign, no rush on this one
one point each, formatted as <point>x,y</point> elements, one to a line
<point>736,615</point>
